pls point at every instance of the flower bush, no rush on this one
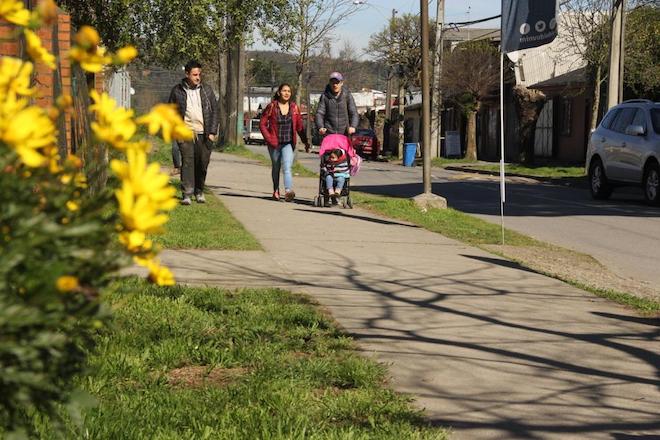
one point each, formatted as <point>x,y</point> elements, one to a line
<point>61,244</point>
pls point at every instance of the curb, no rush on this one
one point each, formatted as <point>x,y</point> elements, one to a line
<point>581,183</point>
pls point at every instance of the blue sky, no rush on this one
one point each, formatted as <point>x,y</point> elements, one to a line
<point>373,17</point>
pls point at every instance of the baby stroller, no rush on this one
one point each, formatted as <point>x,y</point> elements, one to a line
<point>331,142</point>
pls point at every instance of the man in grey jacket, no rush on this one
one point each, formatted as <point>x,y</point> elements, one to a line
<point>336,112</point>
<point>198,107</point>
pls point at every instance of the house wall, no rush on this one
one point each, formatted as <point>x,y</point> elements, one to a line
<point>542,63</point>
<point>50,83</point>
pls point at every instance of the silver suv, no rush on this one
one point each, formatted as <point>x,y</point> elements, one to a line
<point>625,150</point>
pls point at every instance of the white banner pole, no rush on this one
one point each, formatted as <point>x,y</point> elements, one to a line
<point>502,179</point>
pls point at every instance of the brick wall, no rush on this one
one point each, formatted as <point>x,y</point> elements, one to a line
<point>50,84</point>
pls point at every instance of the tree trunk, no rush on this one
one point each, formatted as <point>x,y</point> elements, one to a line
<point>232,92</point>
<point>471,148</point>
<point>400,115</point>
<point>595,105</point>
<point>222,91</point>
<point>240,92</point>
<point>529,104</point>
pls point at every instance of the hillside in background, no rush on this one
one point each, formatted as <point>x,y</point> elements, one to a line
<point>269,67</point>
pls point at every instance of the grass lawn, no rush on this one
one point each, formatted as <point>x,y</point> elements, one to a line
<point>474,231</point>
<point>538,171</point>
<point>205,226</point>
<point>205,363</point>
<point>200,226</point>
<point>542,171</point>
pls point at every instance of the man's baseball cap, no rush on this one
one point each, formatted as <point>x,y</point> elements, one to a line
<point>336,75</point>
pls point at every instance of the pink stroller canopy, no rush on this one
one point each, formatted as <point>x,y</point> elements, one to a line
<point>333,141</point>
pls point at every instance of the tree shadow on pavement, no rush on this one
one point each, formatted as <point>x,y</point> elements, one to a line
<point>347,214</point>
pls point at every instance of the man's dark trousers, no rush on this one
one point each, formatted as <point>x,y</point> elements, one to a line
<point>195,156</point>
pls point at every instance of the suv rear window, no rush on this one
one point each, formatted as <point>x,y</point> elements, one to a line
<point>655,118</point>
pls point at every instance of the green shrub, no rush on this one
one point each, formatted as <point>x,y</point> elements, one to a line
<point>59,248</point>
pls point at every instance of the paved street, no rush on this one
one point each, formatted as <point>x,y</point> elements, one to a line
<point>622,233</point>
<point>487,348</point>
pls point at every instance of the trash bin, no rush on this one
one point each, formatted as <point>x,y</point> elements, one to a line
<point>409,151</point>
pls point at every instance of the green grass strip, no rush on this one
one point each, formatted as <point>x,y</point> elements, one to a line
<point>207,363</point>
<point>540,171</point>
<point>448,222</point>
<point>240,150</point>
<point>205,226</point>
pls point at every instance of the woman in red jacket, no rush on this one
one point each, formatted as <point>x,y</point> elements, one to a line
<point>280,122</point>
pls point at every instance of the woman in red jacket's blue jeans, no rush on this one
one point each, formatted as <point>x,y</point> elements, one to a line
<point>280,122</point>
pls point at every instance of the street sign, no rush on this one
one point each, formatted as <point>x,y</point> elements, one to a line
<point>528,23</point>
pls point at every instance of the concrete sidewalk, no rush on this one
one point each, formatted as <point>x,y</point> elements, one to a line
<point>485,347</point>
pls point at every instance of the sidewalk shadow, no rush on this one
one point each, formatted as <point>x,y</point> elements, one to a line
<point>331,211</point>
<point>500,262</point>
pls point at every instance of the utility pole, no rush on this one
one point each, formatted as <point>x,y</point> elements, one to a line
<point>427,198</point>
<point>436,101</point>
<point>617,49</point>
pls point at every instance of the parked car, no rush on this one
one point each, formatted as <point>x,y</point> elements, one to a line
<point>365,143</point>
<point>252,134</point>
<point>625,150</point>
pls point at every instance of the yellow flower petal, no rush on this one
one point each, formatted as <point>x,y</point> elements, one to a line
<point>66,283</point>
<point>36,51</point>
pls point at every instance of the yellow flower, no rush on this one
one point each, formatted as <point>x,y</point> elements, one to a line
<point>135,241</point>
<point>72,206</point>
<point>46,12</point>
<point>158,274</point>
<point>64,102</point>
<point>29,132</point>
<point>113,124</point>
<point>14,12</point>
<point>66,283</point>
<point>143,179</point>
<point>87,37</point>
<point>139,213</point>
<point>15,77</point>
<point>36,51</point>
<point>125,55</point>
<point>166,118</point>
<point>87,50</point>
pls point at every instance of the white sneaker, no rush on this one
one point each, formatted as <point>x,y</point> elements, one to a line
<point>186,200</point>
<point>200,198</point>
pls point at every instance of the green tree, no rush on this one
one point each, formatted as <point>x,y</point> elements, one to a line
<point>642,58</point>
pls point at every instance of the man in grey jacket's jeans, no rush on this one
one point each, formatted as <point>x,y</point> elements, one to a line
<point>336,112</point>
<point>198,107</point>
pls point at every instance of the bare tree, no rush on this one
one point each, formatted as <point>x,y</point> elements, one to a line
<point>399,46</point>
<point>471,72</point>
<point>303,25</point>
<point>585,33</point>
<point>529,103</point>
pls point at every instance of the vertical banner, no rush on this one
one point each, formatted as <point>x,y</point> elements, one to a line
<point>528,23</point>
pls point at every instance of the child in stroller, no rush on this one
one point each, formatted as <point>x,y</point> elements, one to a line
<point>337,166</point>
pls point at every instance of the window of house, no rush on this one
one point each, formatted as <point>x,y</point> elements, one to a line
<point>565,115</point>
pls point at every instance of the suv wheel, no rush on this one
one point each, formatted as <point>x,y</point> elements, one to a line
<point>652,183</point>
<point>600,187</point>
